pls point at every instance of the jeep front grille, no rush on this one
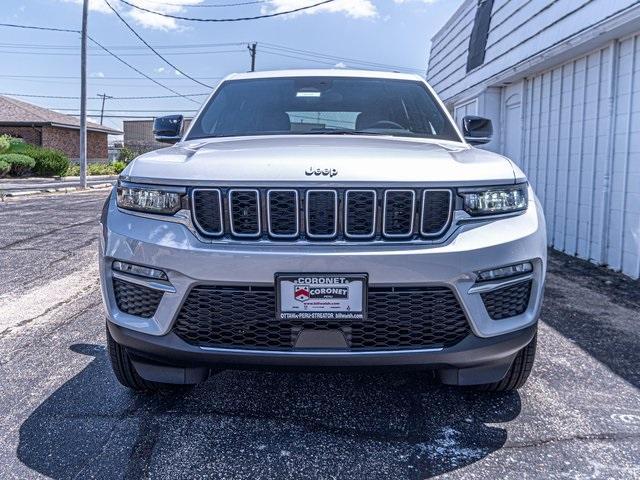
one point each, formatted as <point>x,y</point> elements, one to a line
<point>398,318</point>
<point>322,214</point>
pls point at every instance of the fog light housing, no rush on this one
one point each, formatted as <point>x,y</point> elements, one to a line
<point>138,270</point>
<point>505,272</point>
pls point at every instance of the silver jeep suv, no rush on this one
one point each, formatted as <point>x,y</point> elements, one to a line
<point>322,218</point>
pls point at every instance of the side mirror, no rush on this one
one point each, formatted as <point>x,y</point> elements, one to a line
<point>168,129</point>
<point>477,130</point>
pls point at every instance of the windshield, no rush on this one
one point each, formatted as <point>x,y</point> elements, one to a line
<point>323,105</point>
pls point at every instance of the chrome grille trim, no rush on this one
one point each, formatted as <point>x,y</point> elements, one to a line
<point>384,213</point>
<point>220,211</point>
<point>259,215</point>
<point>335,214</point>
<point>346,215</point>
<point>422,212</point>
<point>297,213</point>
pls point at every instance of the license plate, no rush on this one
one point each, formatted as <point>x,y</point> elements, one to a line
<point>321,296</point>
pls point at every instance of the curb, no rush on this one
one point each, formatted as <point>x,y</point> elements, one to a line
<point>89,177</point>
<point>27,193</point>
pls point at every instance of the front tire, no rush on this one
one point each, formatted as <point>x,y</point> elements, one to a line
<point>519,372</point>
<point>126,373</point>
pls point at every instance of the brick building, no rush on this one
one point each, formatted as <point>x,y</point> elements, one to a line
<point>138,135</point>
<point>46,128</point>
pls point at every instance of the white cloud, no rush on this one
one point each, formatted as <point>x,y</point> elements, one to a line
<point>177,73</point>
<point>340,65</point>
<point>140,17</point>
<point>159,69</point>
<point>97,74</point>
<point>94,5</point>
<point>351,8</point>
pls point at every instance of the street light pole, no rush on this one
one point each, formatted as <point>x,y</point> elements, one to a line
<point>83,96</point>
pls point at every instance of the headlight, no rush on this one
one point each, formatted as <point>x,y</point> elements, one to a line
<point>148,199</point>
<point>496,200</point>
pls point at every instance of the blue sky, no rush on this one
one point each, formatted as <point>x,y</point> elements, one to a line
<point>390,32</point>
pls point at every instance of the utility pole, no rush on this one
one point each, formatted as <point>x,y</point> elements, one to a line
<point>83,97</point>
<point>104,97</point>
<point>252,52</point>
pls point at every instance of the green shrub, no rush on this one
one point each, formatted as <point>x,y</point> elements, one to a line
<point>118,166</point>
<point>49,162</point>
<point>20,164</point>
<point>73,170</point>
<point>100,169</point>
<point>114,168</point>
<point>5,143</point>
<point>4,168</point>
<point>17,145</point>
<point>126,155</point>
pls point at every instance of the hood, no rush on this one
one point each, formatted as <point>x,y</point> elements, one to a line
<point>370,160</point>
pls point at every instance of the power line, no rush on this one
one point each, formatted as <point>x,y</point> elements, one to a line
<point>149,117</point>
<point>284,48</point>
<point>66,54</point>
<point>208,5</point>
<point>28,95</point>
<point>238,19</point>
<point>125,110</point>
<point>121,47</point>
<point>153,49</point>
<point>140,72</point>
<point>41,96</point>
<point>33,27</point>
<point>68,77</point>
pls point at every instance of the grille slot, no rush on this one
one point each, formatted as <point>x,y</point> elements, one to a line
<point>135,299</point>
<point>244,213</point>
<point>243,317</point>
<point>282,213</point>
<point>322,213</point>
<point>507,301</point>
<point>399,213</point>
<point>436,212</point>
<point>360,213</point>
<point>207,207</point>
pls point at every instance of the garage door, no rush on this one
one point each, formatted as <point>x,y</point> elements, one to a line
<point>581,152</point>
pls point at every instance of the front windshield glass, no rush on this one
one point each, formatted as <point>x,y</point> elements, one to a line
<point>323,105</point>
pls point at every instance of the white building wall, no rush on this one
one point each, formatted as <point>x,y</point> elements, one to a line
<point>520,29</point>
<point>581,152</point>
<point>561,83</point>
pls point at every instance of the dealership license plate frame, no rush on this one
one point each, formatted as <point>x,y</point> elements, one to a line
<point>326,313</point>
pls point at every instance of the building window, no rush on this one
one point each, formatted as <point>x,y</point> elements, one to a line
<point>479,34</point>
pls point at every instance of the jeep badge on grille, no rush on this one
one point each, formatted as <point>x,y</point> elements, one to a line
<point>331,172</point>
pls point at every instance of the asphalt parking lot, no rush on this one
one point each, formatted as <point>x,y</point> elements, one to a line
<point>65,416</point>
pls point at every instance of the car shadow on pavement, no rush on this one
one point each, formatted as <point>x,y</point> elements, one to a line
<point>262,425</point>
<point>602,322</point>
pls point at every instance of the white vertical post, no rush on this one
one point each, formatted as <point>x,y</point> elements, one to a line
<point>83,97</point>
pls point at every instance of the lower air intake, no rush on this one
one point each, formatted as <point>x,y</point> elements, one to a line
<point>398,318</point>
<point>508,301</point>
<point>135,299</point>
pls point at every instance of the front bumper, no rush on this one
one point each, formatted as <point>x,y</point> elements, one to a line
<point>472,361</point>
<point>188,262</point>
